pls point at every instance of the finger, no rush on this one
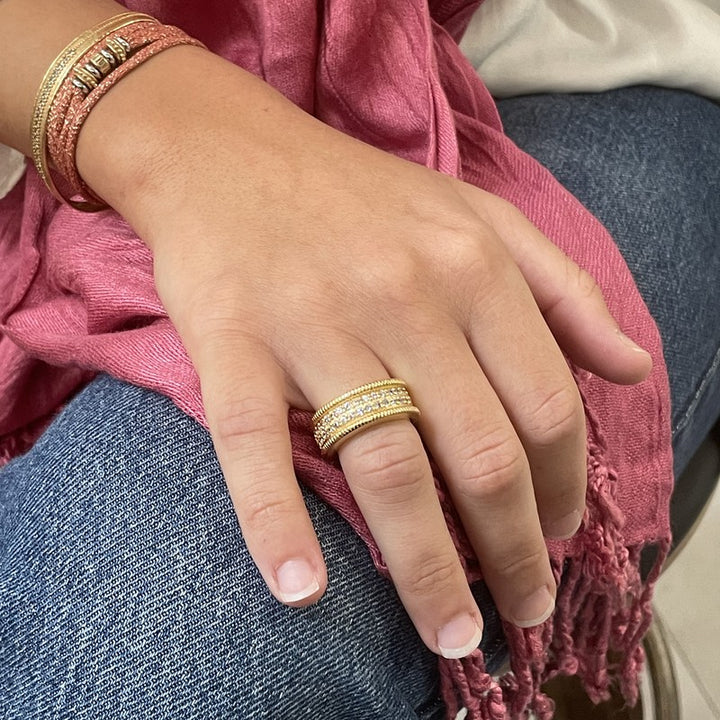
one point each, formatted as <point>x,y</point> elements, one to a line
<point>568,296</point>
<point>483,462</point>
<point>525,367</point>
<point>390,477</point>
<point>392,483</point>
<point>242,390</point>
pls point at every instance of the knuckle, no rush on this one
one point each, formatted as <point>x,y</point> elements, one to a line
<point>396,292</point>
<point>217,338</point>
<point>473,267</point>
<point>586,284</point>
<point>433,575</point>
<point>493,469</point>
<point>260,507</point>
<point>212,303</point>
<point>521,562</point>
<point>459,247</point>
<point>390,466</point>
<point>244,419</point>
<point>557,418</point>
<point>396,281</point>
<point>471,253</point>
<point>218,315</point>
<point>217,335</point>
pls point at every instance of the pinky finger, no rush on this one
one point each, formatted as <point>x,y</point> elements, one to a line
<point>568,296</point>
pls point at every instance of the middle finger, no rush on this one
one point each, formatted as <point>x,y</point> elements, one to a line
<point>485,467</point>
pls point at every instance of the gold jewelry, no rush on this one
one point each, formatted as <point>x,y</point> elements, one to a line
<point>100,65</point>
<point>357,409</point>
<point>56,75</point>
<point>95,73</point>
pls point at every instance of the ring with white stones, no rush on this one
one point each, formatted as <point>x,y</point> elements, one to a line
<point>357,409</point>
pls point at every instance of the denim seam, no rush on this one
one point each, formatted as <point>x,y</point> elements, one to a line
<point>697,397</point>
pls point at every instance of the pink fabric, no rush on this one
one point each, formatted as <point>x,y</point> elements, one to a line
<point>77,297</point>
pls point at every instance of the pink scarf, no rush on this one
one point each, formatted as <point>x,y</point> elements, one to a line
<point>77,297</point>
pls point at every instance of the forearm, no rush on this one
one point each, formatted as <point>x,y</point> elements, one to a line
<point>31,36</point>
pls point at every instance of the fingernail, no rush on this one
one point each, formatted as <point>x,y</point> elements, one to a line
<point>296,580</point>
<point>565,527</point>
<point>534,609</point>
<point>630,343</point>
<point>459,637</point>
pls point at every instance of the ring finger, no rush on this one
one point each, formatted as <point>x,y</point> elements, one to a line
<point>391,480</point>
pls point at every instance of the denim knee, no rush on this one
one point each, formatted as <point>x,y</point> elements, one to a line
<point>126,589</point>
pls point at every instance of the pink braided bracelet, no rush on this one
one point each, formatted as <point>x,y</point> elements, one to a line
<point>107,62</point>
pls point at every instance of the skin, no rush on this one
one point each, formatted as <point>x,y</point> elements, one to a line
<point>292,281</point>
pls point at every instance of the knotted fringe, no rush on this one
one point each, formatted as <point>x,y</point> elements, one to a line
<point>465,683</point>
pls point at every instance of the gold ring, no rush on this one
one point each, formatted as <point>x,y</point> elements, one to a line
<point>357,409</point>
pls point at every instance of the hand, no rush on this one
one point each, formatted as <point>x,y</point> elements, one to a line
<point>298,263</point>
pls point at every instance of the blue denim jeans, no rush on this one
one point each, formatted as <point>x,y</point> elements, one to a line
<point>126,590</point>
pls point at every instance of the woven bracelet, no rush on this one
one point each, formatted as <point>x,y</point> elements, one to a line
<point>93,71</point>
<point>55,77</point>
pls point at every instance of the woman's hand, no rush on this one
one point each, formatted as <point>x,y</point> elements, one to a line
<point>298,263</point>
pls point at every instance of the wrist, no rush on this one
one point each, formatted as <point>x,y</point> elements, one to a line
<point>145,143</point>
<point>31,36</point>
<point>127,137</point>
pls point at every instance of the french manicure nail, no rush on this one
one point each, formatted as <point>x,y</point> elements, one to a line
<point>459,637</point>
<point>535,609</point>
<point>565,527</point>
<point>296,580</point>
<point>630,343</point>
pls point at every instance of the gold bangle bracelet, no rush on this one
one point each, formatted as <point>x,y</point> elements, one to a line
<point>54,78</point>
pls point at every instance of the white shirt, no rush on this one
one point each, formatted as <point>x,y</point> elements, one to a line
<point>12,166</point>
<point>532,46</point>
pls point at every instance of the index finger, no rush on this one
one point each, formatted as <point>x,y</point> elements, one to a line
<point>243,395</point>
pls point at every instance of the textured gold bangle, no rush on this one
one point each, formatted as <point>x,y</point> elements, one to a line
<point>357,409</point>
<point>56,74</point>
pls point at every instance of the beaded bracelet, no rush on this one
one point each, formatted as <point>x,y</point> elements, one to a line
<point>78,79</point>
<point>53,79</point>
